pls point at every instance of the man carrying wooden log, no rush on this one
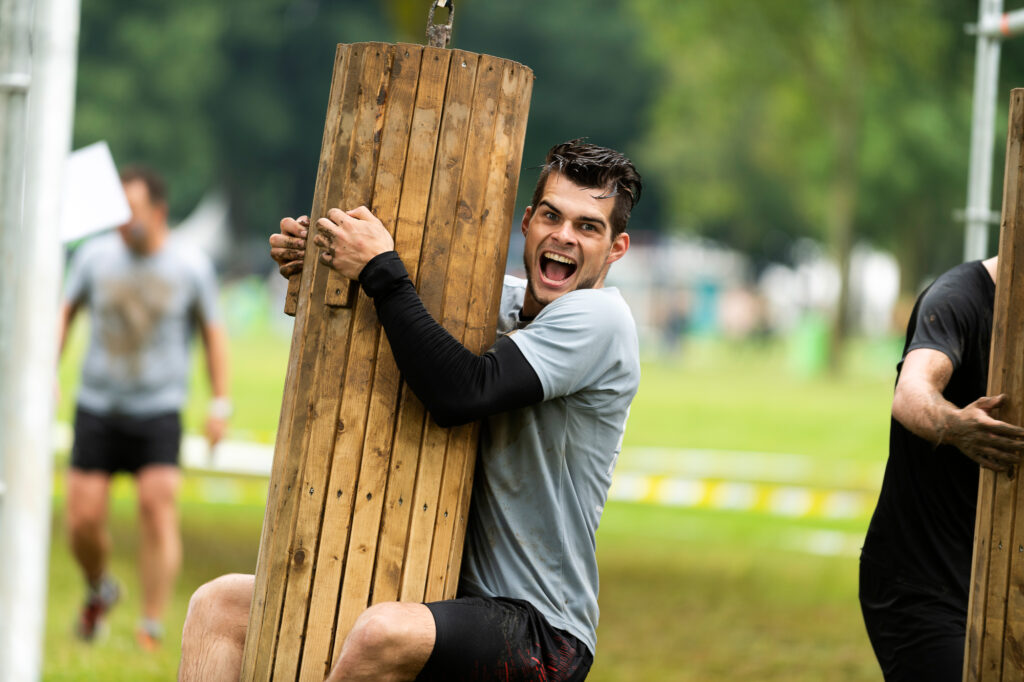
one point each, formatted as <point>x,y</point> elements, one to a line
<point>915,568</point>
<point>554,392</point>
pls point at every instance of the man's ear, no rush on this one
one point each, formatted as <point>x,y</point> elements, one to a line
<point>619,248</point>
<point>526,218</point>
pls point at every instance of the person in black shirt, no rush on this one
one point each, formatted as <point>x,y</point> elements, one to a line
<point>915,567</point>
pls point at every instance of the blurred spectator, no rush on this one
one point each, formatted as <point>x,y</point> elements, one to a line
<point>146,293</point>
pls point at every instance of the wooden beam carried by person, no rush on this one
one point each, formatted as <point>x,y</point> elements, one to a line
<point>368,497</point>
<point>995,621</point>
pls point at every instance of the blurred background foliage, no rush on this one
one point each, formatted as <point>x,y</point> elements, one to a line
<point>753,123</point>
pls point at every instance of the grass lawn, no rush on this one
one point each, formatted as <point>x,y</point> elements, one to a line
<point>685,594</point>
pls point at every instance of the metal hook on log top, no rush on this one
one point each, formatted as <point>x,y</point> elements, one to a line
<point>439,35</point>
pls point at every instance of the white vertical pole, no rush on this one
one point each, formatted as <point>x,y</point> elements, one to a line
<point>32,260</point>
<point>979,181</point>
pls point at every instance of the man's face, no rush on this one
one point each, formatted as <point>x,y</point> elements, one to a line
<point>569,243</point>
<point>147,217</point>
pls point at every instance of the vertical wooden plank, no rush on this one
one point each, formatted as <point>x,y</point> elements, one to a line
<point>1000,648</point>
<point>314,595</point>
<point>289,453</point>
<point>979,575</point>
<point>339,102</point>
<point>1006,370</point>
<point>462,259</point>
<point>364,150</point>
<point>998,576</point>
<point>502,179</point>
<point>433,268</point>
<point>330,556</point>
<point>376,447</point>
<point>412,214</point>
<point>325,393</point>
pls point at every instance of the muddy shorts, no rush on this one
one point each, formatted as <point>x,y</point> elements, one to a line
<point>120,442</point>
<point>506,640</point>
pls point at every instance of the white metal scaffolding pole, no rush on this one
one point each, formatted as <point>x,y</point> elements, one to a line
<point>979,180</point>
<point>31,260</point>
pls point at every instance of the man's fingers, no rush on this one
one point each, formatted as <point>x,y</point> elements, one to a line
<point>282,241</point>
<point>361,213</point>
<point>989,464</point>
<point>1003,429</point>
<point>336,215</point>
<point>287,255</point>
<point>321,241</point>
<point>990,402</point>
<point>997,455</point>
<point>293,268</point>
<point>327,226</point>
<point>1011,448</point>
<point>293,227</point>
<point>991,459</point>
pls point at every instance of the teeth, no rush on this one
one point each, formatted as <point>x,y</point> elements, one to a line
<point>559,258</point>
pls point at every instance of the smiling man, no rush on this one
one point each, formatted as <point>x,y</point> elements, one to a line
<point>554,392</point>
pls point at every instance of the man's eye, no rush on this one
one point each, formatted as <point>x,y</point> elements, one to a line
<point>587,227</point>
<point>551,216</point>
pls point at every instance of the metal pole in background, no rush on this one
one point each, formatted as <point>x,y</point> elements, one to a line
<point>15,68</point>
<point>979,212</point>
<point>32,260</point>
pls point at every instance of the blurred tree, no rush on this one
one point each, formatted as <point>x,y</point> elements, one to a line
<point>233,93</point>
<point>230,94</point>
<point>146,72</point>
<point>593,78</point>
<point>837,120</point>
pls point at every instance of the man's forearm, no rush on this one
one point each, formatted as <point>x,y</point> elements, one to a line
<point>215,340</point>
<point>923,411</point>
<point>455,384</point>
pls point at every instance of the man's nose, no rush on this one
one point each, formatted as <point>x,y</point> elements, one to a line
<point>565,232</point>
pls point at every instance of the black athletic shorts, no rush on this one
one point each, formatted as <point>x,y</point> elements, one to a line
<point>120,442</point>
<point>917,631</point>
<point>504,640</point>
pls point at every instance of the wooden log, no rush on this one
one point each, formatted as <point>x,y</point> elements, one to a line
<point>994,649</point>
<point>368,497</point>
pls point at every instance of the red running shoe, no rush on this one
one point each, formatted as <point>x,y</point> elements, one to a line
<point>100,600</point>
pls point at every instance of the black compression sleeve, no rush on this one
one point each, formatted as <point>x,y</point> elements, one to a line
<point>455,384</point>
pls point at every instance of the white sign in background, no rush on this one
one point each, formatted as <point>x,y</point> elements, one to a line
<point>93,199</point>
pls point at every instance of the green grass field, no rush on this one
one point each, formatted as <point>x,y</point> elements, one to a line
<point>685,594</point>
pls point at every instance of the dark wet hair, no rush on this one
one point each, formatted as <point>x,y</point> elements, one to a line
<point>155,183</point>
<point>589,165</point>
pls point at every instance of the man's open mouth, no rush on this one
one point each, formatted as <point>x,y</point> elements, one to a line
<point>556,267</point>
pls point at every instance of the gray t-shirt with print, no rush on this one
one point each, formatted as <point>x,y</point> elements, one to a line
<point>143,313</point>
<point>544,471</point>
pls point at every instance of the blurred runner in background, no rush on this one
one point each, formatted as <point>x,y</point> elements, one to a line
<point>146,294</point>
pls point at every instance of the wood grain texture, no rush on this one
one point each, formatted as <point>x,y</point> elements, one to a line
<point>492,252</point>
<point>289,458</point>
<point>369,497</point>
<point>377,446</point>
<point>412,214</point>
<point>994,649</point>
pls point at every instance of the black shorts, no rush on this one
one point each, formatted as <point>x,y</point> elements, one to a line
<point>917,631</point>
<point>120,442</point>
<point>501,639</point>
